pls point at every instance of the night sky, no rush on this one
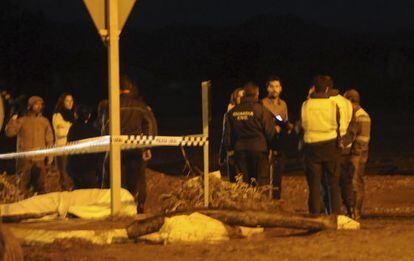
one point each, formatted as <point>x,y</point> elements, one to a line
<point>365,15</point>
<point>363,44</point>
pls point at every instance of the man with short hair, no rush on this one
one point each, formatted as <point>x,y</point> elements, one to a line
<point>249,131</point>
<point>279,109</point>
<point>137,118</point>
<point>33,131</point>
<point>358,136</point>
<point>320,122</point>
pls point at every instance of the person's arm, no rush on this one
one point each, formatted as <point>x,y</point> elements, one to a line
<point>224,144</point>
<point>363,135</point>
<point>149,127</point>
<point>71,134</point>
<point>49,138</point>
<point>228,139</point>
<point>59,125</point>
<point>13,126</point>
<point>149,124</point>
<point>269,127</point>
<point>351,132</point>
<point>289,126</point>
<point>338,129</point>
<point>1,112</point>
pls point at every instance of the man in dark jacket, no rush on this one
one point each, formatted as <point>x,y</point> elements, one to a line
<point>137,118</point>
<point>249,131</point>
<point>83,169</point>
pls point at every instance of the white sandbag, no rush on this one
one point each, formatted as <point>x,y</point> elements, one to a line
<point>193,228</point>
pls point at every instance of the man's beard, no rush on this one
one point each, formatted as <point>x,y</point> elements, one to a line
<point>274,95</point>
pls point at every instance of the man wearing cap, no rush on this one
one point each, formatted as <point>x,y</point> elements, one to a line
<point>358,136</point>
<point>33,131</point>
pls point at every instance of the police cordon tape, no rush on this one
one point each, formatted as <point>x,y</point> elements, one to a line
<point>102,144</point>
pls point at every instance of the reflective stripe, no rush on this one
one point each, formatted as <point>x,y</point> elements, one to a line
<point>363,138</point>
<point>363,119</point>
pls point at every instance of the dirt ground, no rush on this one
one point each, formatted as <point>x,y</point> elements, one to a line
<point>387,232</point>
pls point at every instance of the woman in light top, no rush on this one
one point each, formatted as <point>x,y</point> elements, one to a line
<point>63,117</point>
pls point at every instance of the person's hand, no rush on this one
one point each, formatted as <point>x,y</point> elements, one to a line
<point>220,161</point>
<point>146,155</point>
<point>340,144</point>
<point>49,160</point>
<point>289,127</point>
<point>278,129</point>
<point>270,155</point>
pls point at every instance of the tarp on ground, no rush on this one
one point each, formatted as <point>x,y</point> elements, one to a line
<point>84,203</point>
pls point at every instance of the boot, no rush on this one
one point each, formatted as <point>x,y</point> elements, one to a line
<point>140,208</point>
<point>350,212</point>
<point>357,214</point>
<point>358,209</point>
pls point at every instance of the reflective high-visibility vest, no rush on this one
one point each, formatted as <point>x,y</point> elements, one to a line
<point>345,112</point>
<point>319,120</point>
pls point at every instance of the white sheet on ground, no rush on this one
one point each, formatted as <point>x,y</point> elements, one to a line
<point>193,228</point>
<point>346,223</point>
<point>85,203</point>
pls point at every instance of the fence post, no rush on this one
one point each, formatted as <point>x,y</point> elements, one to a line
<point>205,89</point>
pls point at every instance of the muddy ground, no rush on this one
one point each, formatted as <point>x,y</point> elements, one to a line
<point>387,232</point>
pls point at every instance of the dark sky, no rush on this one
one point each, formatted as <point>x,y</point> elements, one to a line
<point>357,15</point>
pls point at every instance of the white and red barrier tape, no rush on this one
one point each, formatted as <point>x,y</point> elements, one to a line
<point>102,144</point>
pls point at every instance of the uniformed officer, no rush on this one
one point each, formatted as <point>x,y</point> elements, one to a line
<point>250,131</point>
<point>345,112</point>
<point>358,136</point>
<point>320,122</point>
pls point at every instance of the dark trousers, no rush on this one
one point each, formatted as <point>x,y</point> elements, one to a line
<point>345,185</point>
<point>278,167</point>
<point>352,181</point>
<point>231,168</point>
<point>253,165</point>
<point>27,169</point>
<point>347,191</point>
<point>322,159</point>
<point>65,180</point>
<point>133,174</point>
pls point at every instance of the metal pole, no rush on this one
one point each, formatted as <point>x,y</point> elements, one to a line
<point>205,87</point>
<point>113,91</point>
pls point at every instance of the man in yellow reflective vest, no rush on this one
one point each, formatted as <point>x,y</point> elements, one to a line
<point>320,123</point>
<point>358,137</point>
<point>345,112</point>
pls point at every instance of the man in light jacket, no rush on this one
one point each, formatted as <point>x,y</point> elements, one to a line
<point>33,131</point>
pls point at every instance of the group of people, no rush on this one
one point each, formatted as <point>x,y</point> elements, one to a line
<point>334,136</point>
<point>71,122</point>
